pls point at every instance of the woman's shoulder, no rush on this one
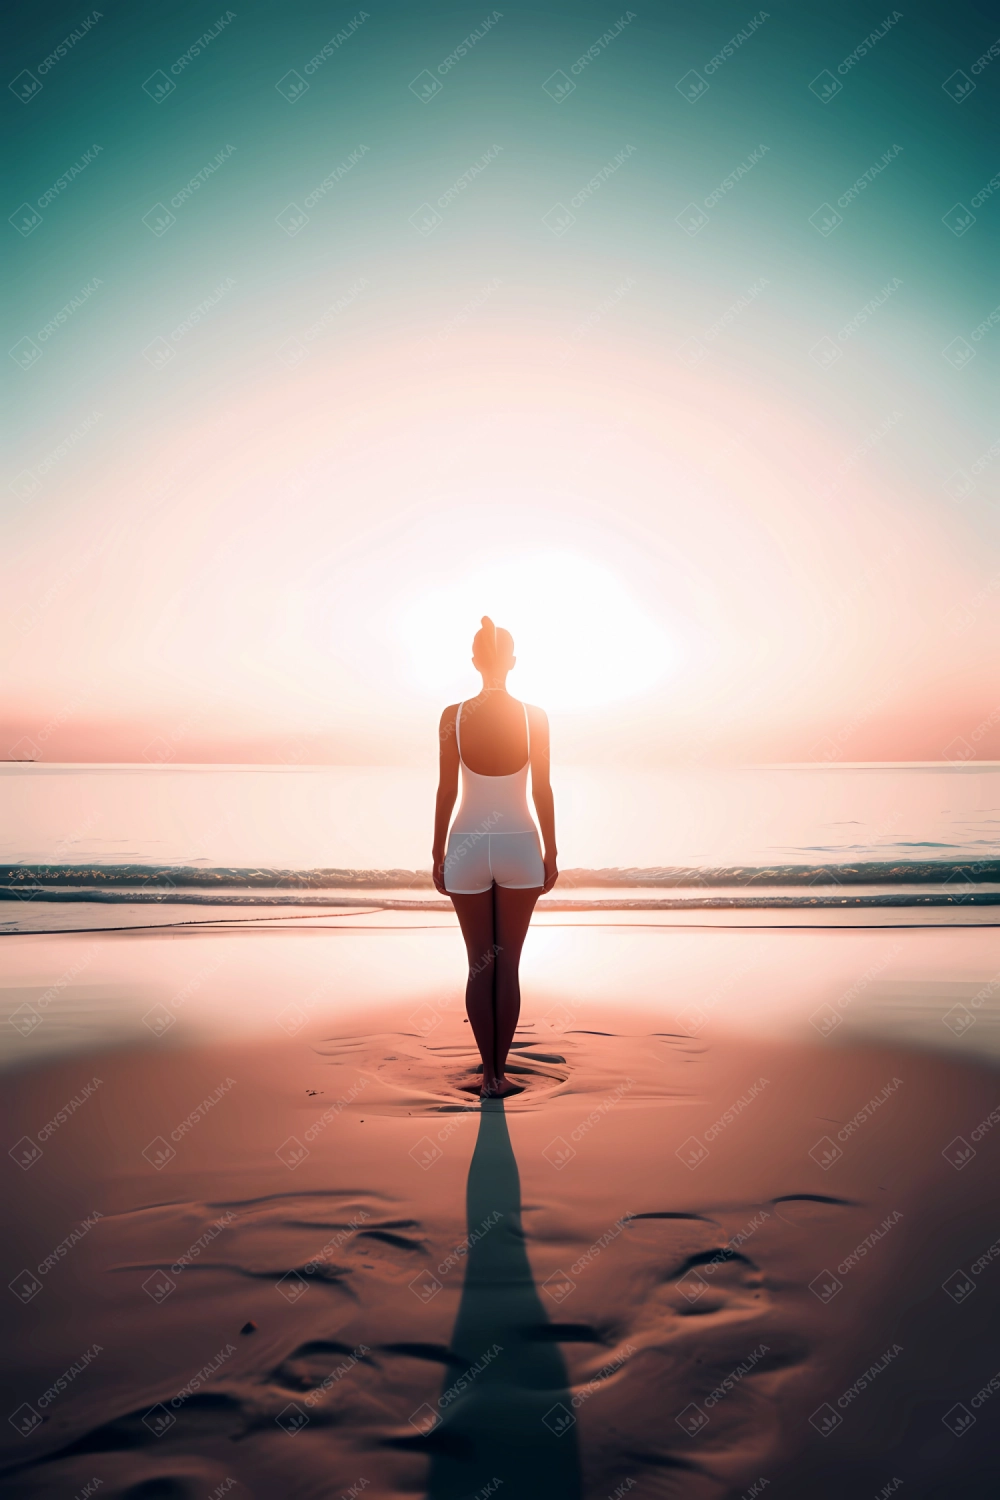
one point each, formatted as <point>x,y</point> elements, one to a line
<point>535,714</point>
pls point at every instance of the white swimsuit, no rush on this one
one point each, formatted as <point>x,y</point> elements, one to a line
<point>493,837</point>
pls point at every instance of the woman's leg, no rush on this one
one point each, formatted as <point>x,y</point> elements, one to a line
<point>513,915</point>
<point>475,917</point>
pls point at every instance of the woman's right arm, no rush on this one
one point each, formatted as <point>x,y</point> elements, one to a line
<point>446,793</point>
<point>541,793</point>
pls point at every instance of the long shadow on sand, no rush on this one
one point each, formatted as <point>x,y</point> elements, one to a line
<point>505,1413</point>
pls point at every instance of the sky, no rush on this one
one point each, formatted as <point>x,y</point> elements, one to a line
<point>667,337</point>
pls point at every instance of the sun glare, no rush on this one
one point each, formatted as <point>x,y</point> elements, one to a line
<point>581,639</point>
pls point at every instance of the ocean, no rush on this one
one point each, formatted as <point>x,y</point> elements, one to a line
<point>93,846</point>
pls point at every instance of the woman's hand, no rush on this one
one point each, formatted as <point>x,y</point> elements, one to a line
<point>437,871</point>
<point>551,872</point>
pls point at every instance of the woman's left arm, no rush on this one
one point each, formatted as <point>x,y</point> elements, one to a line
<point>446,793</point>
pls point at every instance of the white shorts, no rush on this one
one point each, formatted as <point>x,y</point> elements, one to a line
<point>474,861</point>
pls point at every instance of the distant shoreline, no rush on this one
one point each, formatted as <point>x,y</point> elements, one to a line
<point>156,882</point>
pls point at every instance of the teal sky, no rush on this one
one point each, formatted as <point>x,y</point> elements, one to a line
<point>102,425</point>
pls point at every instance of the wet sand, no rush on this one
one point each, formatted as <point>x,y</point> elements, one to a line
<point>676,1265</point>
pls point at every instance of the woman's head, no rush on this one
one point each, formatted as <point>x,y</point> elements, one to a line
<point>492,650</point>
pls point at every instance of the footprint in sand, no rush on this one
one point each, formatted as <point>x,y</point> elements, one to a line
<point>700,1351</point>
<point>446,1077</point>
<point>534,1074</point>
<point>293,1240</point>
<point>318,1364</point>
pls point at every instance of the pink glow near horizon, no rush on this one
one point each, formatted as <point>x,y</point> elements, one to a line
<point>257,570</point>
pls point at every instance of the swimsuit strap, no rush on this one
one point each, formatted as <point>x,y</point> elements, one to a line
<point>527,731</point>
<point>458,741</point>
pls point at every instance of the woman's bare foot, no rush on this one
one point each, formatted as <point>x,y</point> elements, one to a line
<point>472,1085</point>
<point>499,1088</point>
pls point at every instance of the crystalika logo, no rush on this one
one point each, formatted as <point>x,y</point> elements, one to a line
<point>559,1419</point>
<point>292,86</point>
<point>425,1286</point>
<point>25,1153</point>
<point>426,86</point>
<point>958,219</point>
<point>25,1420</point>
<point>692,1153</point>
<point>558,1152</point>
<point>25,86</point>
<point>825,219</point>
<point>25,220</point>
<point>158,1153</point>
<point>691,219</point>
<point>825,1153</point>
<point>558,86</point>
<point>158,86</point>
<point>825,86</point>
<point>825,1419</point>
<point>959,1153</point>
<point>959,86</point>
<point>692,1419</point>
<point>692,86</point>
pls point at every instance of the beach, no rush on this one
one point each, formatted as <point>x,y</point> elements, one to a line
<point>461,459</point>
<point>718,1242</point>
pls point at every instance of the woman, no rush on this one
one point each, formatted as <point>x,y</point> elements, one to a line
<point>494,870</point>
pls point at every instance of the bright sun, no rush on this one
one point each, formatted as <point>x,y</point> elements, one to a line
<point>580,637</point>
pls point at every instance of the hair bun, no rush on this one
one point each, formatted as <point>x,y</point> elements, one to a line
<point>491,633</point>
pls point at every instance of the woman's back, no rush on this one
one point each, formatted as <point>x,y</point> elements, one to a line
<point>493,734</point>
<point>494,801</point>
